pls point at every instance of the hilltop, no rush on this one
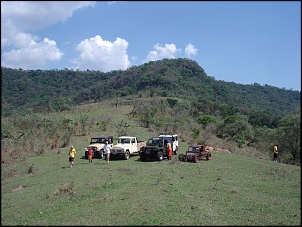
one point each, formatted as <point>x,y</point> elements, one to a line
<point>56,90</point>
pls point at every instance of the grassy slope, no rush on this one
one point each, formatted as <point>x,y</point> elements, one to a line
<point>230,189</point>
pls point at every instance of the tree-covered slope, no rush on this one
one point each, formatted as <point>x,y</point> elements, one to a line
<point>177,78</point>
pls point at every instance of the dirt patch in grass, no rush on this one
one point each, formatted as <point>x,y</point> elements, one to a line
<point>17,188</point>
<point>68,189</point>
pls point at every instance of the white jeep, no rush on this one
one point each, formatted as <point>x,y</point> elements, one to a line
<point>126,146</point>
<point>97,145</point>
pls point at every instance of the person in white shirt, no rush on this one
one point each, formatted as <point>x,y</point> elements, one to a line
<point>107,148</point>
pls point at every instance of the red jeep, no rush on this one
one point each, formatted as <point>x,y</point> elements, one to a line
<point>194,153</point>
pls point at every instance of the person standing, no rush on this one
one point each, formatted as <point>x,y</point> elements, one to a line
<point>90,154</point>
<point>107,148</point>
<point>276,153</point>
<point>71,155</point>
<point>169,149</point>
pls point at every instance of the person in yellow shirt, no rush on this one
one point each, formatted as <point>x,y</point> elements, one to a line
<point>71,155</point>
<point>276,153</point>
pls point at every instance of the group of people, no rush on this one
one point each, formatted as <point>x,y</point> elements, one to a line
<point>72,153</point>
<point>107,148</point>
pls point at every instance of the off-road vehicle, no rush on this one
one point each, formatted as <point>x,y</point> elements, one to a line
<point>126,146</point>
<point>97,145</point>
<point>154,149</point>
<point>195,153</point>
<point>173,138</point>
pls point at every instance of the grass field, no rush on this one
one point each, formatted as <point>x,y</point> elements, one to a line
<point>229,189</point>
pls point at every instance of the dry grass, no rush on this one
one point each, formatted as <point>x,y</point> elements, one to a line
<point>67,189</point>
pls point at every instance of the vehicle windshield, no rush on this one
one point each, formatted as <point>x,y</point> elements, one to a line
<point>155,141</point>
<point>193,149</point>
<point>98,140</point>
<point>123,141</point>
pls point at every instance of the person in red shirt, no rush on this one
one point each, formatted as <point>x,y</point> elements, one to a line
<point>90,154</point>
<point>169,148</point>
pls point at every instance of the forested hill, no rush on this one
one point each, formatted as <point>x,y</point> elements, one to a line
<point>174,78</point>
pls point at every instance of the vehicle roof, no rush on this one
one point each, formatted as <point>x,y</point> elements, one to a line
<point>122,137</point>
<point>166,135</point>
<point>195,145</point>
<point>99,137</point>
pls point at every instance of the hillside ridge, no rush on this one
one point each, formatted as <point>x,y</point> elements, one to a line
<point>179,78</point>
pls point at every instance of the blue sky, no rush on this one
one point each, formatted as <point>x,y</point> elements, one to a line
<point>245,42</point>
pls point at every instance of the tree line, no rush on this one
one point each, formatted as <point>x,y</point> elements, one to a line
<point>57,90</point>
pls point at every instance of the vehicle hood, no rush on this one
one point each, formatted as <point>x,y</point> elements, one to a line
<point>150,147</point>
<point>97,145</point>
<point>119,146</point>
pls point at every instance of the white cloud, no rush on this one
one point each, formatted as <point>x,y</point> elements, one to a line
<point>32,15</point>
<point>190,50</point>
<point>99,54</point>
<point>20,18</point>
<point>111,2</point>
<point>160,52</point>
<point>33,56</point>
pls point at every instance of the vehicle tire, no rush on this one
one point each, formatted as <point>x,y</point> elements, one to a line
<point>86,154</point>
<point>196,158</point>
<point>180,157</point>
<point>209,156</point>
<point>143,157</point>
<point>160,156</point>
<point>176,150</point>
<point>127,155</point>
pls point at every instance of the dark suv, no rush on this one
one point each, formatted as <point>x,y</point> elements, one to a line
<point>154,149</point>
<point>195,153</point>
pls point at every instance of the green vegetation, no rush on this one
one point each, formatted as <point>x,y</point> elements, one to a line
<point>38,133</point>
<point>180,98</point>
<point>230,189</point>
<point>38,187</point>
<point>58,90</point>
<point>44,112</point>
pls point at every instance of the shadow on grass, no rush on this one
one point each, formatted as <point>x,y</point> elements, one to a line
<point>153,160</point>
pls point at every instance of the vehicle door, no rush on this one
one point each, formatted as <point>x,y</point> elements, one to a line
<point>133,145</point>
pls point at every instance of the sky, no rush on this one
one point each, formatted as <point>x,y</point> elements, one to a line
<point>244,42</point>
